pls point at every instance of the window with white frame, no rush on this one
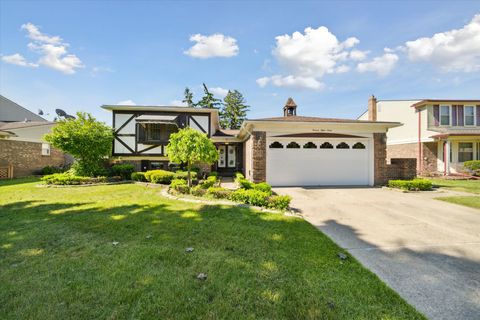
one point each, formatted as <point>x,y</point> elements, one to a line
<point>469,114</point>
<point>445,115</point>
<point>465,151</point>
<point>45,149</point>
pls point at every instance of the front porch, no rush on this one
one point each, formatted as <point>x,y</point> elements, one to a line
<point>454,150</point>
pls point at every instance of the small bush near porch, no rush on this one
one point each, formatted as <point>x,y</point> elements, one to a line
<point>119,252</point>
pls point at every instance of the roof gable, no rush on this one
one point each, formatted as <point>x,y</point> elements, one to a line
<point>13,112</point>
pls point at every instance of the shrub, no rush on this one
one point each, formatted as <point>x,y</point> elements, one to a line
<point>251,196</point>
<point>213,174</point>
<point>67,178</point>
<point>198,191</point>
<point>239,176</point>
<point>123,170</point>
<point>180,185</point>
<point>219,192</point>
<point>159,176</point>
<point>138,176</point>
<point>51,170</point>
<point>209,182</point>
<point>415,184</point>
<point>279,202</point>
<point>263,186</point>
<point>473,166</point>
<point>184,174</point>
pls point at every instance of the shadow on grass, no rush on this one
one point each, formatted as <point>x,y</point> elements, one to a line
<point>92,260</point>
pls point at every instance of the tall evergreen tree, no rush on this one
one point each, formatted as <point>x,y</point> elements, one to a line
<point>208,100</point>
<point>188,98</point>
<point>234,110</point>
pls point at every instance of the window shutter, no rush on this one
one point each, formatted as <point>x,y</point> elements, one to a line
<point>436,114</point>
<point>454,115</point>
<point>478,115</point>
<point>460,115</point>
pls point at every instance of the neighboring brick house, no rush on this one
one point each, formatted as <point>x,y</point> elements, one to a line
<point>23,151</point>
<point>290,150</point>
<point>440,134</point>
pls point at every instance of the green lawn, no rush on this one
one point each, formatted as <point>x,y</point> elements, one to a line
<point>470,186</point>
<point>57,261</point>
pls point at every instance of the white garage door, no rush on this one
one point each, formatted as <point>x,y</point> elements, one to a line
<point>315,162</point>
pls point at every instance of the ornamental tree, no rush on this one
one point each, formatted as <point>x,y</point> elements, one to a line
<point>89,141</point>
<point>190,146</point>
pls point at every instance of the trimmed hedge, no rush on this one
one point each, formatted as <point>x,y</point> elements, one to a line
<point>51,170</point>
<point>180,185</point>
<point>411,185</point>
<point>473,166</point>
<point>198,191</point>
<point>219,193</point>
<point>159,176</point>
<point>123,170</point>
<point>279,202</point>
<point>250,196</point>
<point>209,182</point>
<point>184,174</point>
<point>263,186</point>
<point>138,176</point>
<point>67,178</point>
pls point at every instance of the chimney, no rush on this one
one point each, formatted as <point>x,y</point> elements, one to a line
<point>290,108</point>
<point>372,108</point>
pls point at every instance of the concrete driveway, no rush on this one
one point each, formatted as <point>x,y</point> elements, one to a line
<point>427,250</point>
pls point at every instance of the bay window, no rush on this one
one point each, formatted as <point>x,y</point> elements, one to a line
<point>445,115</point>
<point>465,151</point>
<point>469,112</point>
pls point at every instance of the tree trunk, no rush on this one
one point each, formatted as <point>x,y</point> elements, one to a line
<point>189,177</point>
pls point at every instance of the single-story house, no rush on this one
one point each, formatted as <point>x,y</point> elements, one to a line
<point>289,150</point>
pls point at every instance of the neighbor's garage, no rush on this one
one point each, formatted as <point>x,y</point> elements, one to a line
<point>319,162</point>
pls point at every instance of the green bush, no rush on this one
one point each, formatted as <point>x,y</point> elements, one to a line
<point>123,170</point>
<point>209,182</point>
<point>213,174</point>
<point>250,196</point>
<point>138,176</point>
<point>183,175</point>
<point>263,186</point>
<point>473,166</point>
<point>180,185</point>
<point>239,176</point>
<point>67,178</point>
<point>159,176</point>
<point>198,191</point>
<point>411,185</point>
<point>219,192</point>
<point>51,170</point>
<point>279,202</point>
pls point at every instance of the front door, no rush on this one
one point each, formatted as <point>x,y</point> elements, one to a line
<point>228,163</point>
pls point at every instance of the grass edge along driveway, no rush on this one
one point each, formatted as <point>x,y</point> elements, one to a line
<point>58,260</point>
<point>468,186</point>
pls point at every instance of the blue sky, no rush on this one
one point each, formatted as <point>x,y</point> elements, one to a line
<point>80,55</point>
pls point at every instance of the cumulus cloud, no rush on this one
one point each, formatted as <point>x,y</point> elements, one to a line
<point>52,50</point>
<point>19,60</point>
<point>126,103</point>
<point>358,55</point>
<point>222,92</point>
<point>454,50</point>
<point>382,65</point>
<point>290,81</point>
<point>216,45</point>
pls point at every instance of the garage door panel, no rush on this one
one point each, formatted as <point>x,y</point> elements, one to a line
<point>313,167</point>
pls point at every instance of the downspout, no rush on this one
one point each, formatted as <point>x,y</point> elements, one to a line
<point>445,158</point>
<point>420,149</point>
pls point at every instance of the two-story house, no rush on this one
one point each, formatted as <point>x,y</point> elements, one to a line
<point>289,150</point>
<point>440,134</point>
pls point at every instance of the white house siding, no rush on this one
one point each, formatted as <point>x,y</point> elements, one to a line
<point>202,121</point>
<point>120,119</point>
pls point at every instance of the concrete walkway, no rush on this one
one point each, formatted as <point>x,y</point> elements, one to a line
<point>427,250</point>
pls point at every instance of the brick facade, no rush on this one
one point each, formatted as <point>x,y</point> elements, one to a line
<point>259,156</point>
<point>410,150</point>
<point>380,158</point>
<point>26,157</point>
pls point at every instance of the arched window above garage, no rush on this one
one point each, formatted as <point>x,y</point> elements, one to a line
<point>326,145</point>
<point>309,145</point>
<point>343,145</point>
<point>358,145</point>
<point>276,145</point>
<point>293,145</point>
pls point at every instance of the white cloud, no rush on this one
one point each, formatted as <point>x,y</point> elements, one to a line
<point>382,65</point>
<point>52,50</point>
<point>454,50</point>
<point>221,92</point>
<point>358,55</point>
<point>342,69</point>
<point>97,70</point>
<point>19,60</point>
<point>216,45</point>
<point>291,81</point>
<point>178,103</point>
<point>126,103</point>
